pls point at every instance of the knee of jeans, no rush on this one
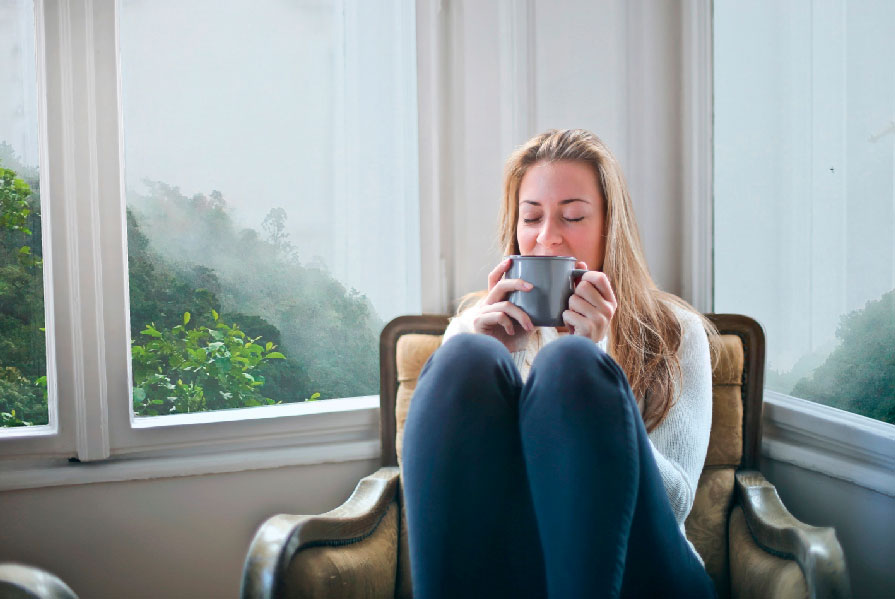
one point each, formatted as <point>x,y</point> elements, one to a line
<point>581,362</point>
<point>572,354</point>
<point>469,353</point>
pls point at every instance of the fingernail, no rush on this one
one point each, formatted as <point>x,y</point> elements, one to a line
<point>527,285</point>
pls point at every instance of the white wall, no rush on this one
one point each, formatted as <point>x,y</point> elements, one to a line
<point>173,537</point>
<point>516,68</point>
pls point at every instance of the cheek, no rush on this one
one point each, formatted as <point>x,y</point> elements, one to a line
<point>587,245</point>
<point>526,238</point>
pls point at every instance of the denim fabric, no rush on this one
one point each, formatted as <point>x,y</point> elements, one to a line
<point>544,489</point>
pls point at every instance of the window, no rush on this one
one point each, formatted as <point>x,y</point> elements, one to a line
<point>23,356</point>
<point>804,188</point>
<point>269,152</point>
<point>233,188</point>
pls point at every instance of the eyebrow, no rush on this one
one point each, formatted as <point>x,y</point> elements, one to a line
<point>561,203</point>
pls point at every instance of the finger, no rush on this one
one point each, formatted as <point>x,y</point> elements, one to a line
<point>513,311</point>
<point>588,301</point>
<point>597,317</point>
<point>504,287</point>
<point>499,270</point>
<point>601,284</point>
<point>579,324</point>
<point>507,324</point>
<point>581,265</point>
<point>584,307</point>
<point>516,313</point>
<point>489,320</point>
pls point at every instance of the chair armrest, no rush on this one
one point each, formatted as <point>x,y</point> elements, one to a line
<point>815,549</point>
<point>280,537</point>
<point>18,581</point>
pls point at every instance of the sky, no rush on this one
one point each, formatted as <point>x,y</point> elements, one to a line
<point>305,105</point>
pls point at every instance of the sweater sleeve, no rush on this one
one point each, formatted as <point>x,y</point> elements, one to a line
<point>461,323</point>
<point>680,442</point>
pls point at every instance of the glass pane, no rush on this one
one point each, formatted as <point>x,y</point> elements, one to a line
<point>23,356</point>
<point>805,192</point>
<point>272,197</point>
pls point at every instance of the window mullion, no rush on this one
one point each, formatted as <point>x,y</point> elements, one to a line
<point>83,150</point>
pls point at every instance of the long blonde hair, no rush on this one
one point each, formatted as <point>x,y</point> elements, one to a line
<point>644,332</point>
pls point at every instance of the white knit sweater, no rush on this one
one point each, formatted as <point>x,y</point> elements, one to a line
<point>680,441</point>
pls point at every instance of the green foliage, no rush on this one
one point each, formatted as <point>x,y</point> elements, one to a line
<point>182,369</point>
<point>14,194</point>
<point>859,375</point>
<point>22,402</point>
<point>330,333</point>
<point>22,345</point>
<point>238,286</point>
<point>161,292</point>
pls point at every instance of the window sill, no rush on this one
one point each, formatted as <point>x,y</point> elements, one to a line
<point>822,439</point>
<point>330,431</point>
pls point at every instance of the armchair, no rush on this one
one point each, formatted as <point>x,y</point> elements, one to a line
<point>752,546</point>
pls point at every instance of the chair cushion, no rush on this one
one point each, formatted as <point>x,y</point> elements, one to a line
<point>726,438</point>
<point>411,354</point>
<point>707,523</point>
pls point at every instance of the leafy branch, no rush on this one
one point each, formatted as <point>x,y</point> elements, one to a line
<point>206,367</point>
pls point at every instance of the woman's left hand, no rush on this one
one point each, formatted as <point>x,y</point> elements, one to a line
<point>591,306</point>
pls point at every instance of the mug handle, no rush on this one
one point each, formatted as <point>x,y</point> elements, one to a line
<point>576,273</point>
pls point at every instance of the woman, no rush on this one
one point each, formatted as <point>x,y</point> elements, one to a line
<point>562,462</point>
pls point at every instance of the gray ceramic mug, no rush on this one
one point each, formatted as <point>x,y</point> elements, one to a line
<point>553,282</point>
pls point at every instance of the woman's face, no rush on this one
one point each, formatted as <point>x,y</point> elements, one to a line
<point>561,212</point>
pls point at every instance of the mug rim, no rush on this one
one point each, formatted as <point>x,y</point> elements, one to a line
<point>515,256</point>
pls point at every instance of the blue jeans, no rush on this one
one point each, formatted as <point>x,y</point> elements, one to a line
<point>544,489</point>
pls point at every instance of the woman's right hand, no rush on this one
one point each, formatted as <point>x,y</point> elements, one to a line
<point>500,319</point>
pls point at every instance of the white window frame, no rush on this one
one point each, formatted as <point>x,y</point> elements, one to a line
<point>86,297</point>
<point>796,431</point>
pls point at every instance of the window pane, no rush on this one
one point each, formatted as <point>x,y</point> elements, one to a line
<point>23,356</point>
<point>805,192</point>
<point>272,197</point>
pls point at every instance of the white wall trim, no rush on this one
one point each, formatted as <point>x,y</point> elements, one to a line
<point>325,437</point>
<point>822,439</point>
<point>517,72</point>
<point>697,121</point>
<point>62,473</point>
<point>432,103</point>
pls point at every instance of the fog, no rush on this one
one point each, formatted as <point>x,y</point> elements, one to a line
<point>260,101</point>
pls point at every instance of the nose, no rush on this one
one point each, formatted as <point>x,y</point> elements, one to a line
<point>549,234</point>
